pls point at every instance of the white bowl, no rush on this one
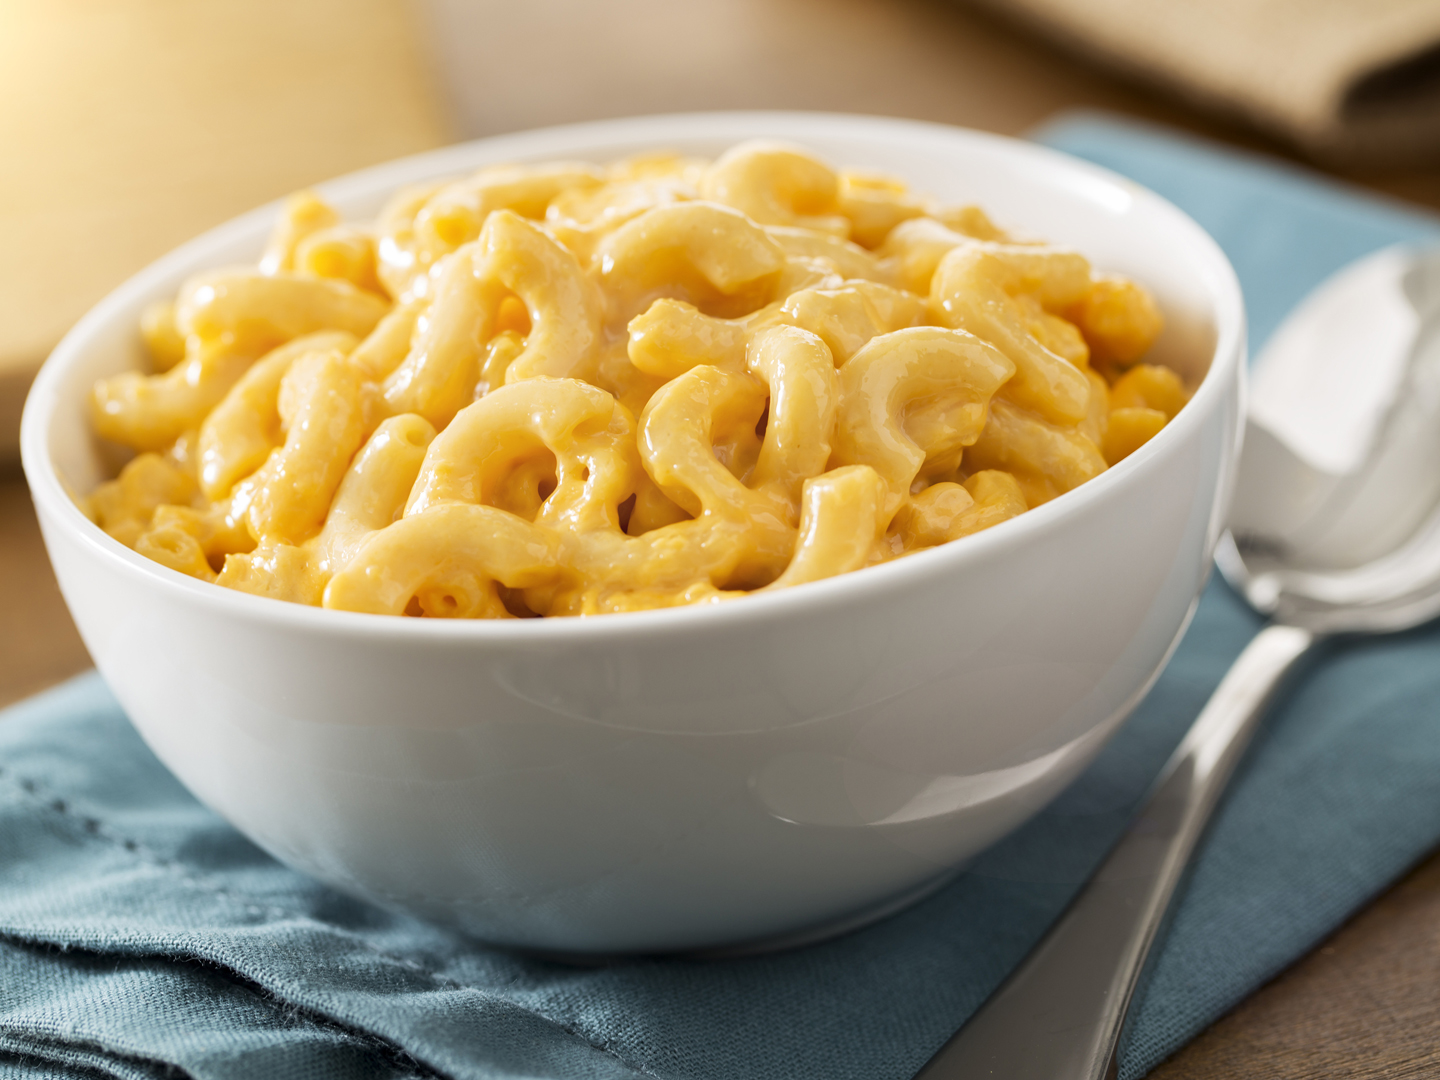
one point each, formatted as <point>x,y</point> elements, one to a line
<point>696,777</point>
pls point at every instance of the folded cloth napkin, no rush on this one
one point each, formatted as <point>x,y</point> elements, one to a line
<point>1347,79</point>
<point>140,934</point>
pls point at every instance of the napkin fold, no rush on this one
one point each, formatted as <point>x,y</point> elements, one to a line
<point>1351,80</point>
<point>140,934</point>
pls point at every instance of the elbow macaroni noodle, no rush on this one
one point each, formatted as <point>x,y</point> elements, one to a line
<point>566,390</point>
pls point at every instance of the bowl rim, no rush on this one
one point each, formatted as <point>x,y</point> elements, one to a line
<point>53,499</point>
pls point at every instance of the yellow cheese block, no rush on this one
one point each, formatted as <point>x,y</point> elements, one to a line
<point>129,126</point>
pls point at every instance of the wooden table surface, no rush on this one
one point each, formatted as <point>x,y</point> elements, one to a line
<point>1367,1003</point>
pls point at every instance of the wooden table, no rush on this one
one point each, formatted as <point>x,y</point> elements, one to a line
<point>1367,1003</point>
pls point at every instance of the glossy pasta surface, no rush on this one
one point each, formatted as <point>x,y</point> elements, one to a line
<point>571,389</point>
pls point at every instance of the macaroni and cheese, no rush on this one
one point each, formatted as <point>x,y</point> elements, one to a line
<point>567,389</point>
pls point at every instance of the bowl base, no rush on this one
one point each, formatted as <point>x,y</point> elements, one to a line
<point>813,935</point>
<point>794,939</point>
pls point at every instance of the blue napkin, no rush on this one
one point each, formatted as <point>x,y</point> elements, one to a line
<point>140,934</point>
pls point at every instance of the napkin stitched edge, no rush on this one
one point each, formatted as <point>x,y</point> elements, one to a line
<point>89,827</point>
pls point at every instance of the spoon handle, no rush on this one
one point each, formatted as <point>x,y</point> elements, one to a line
<point>1058,1016</point>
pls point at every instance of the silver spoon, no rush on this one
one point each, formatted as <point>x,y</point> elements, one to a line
<point>1059,1015</point>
